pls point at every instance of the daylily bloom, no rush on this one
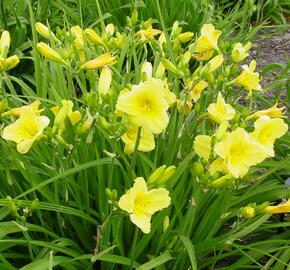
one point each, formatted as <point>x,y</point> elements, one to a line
<point>141,204</point>
<point>272,112</point>
<point>267,130</point>
<point>195,93</point>
<point>278,209</point>
<point>148,34</point>
<point>221,111</point>
<point>240,52</point>
<point>239,152</point>
<point>202,146</point>
<point>248,78</point>
<point>207,42</point>
<point>146,142</point>
<point>17,111</point>
<point>145,105</point>
<point>105,59</point>
<point>24,131</point>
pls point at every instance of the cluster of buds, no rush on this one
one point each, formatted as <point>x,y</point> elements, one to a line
<point>160,176</point>
<point>6,63</point>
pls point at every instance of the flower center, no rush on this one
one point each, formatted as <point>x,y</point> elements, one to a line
<point>29,130</point>
<point>146,105</point>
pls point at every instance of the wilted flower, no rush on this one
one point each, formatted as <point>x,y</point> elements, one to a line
<point>148,34</point>
<point>278,209</point>
<point>272,112</point>
<point>195,93</point>
<point>141,204</point>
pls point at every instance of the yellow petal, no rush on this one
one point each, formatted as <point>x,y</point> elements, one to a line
<point>141,220</point>
<point>202,146</point>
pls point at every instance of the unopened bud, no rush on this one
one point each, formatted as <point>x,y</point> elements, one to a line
<point>165,223</point>
<point>103,122</point>
<point>93,37</point>
<point>134,17</point>
<point>61,115</point>
<point>11,62</point>
<point>185,37</point>
<point>50,54</point>
<point>105,81</point>
<point>44,31</point>
<point>4,44</point>
<point>247,212</point>
<point>221,182</point>
<point>147,69</point>
<point>108,192</point>
<point>166,175</point>
<point>110,29</point>
<point>222,130</point>
<point>198,168</point>
<point>170,66</point>
<point>160,71</point>
<point>153,178</point>
<point>3,105</point>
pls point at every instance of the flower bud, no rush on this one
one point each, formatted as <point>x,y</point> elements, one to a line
<point>93,37</point>
<point>170,66</point>
<point>61,115</point>
<point>247,212</point>
<point>3,105</point>
<point>147,69</point>
<point>50,54</point>
<point>185,37</point>
<point>108,192</point>
<point>198,168</point>
<point>102,60</point>
<point>153,178</point>
<point>110,29</point>
<point>4,44</point>
<point>134,17</point>
<point>165,223</point>
<point>103,122</point>
<point>105,81</point>
<point>11,62</point>
<point>44,31</point>
<point>221,182</point>
<point>166,175</point>
<point>160,71</point>
<point>114,195</point>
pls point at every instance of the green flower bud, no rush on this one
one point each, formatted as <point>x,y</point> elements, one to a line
<point>3,105</point>
<point>165,223</point>
<point>166,175</point>
<point>198,168</point>
<point>4,44</point>
<point>134,17</point>
<point>170,66</point>
<point>156,175</point>
<point>247,212</point>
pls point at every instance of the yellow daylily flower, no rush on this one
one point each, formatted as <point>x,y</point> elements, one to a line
<point>146,142</point>
<point>24,131</point>
<point>105,59</point>
<point>145,105</point>
<point>218,165</point>
<point>202,146</point>
<point>240,52</point>
<point>195,93</point>
<point>239,152</point>
<point>272,112</point>
<point>207,42</point>
<point>141,204</point>
<point>17,111</point>
<point>148,34</point>
<point>221,111</point>
<point>248,78</point>
<point>267,130</point>
<point>278,209</point>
